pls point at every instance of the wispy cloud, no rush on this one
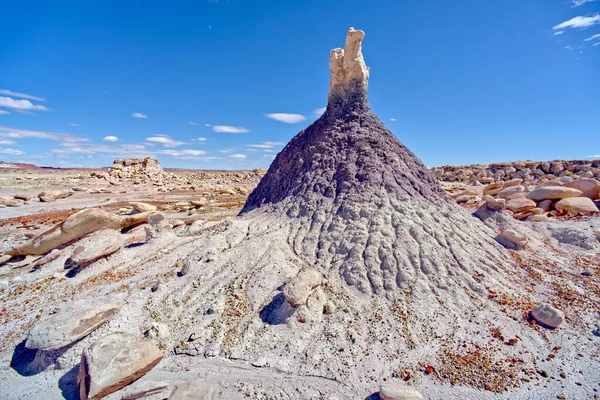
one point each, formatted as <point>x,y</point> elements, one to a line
<point>265,145</point>
<point>317,112</point>
<point>165,140</point>
<point>287,118</point>
<point>568,47</point>
<point>179,153</point>
<point>239,156</point>
<point>110,139</point>
<point>21,105</point>
<point>6,142</point>
<point>596,36</point>
<point>11,152</point>
<point>579,22</point>
<point>193,123</point>
<point>139,115</point>
<point>227,150</point>
<point>558,33</point>
<point>7,92</point>
<point>229,129</point>
<point>202,139</point>
<point>207,125</point>
<point>594,156</point>
<point>596,44</point>
<point>74,124</point>
<point>2,112</point>
<point>393,119</point>
<point>577,3</point>
<point>15,133</point>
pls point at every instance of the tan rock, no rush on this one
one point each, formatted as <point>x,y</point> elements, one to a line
<point>577,205</point>
<point>512,182</point>
<point>72,322</point>
<point>545,205</point>
<point>300,287</point>
<point>347,65</point>
<point>113,362</point>
<point>553,193</point>
<point>74,227</point>
<point>52,195</point>
<point>134,220</point>
<point>589,187</point>
<point>143,207</point>
<point>201,202</point>
<point>504,193</point>
<point>24,197</point>
<point>493,188</point>
<point>514,237</point>
<point>520,204</point>
<point>7,201</point>
<point>53,255</point>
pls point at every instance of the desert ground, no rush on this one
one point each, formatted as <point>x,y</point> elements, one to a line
<point>348,270</point>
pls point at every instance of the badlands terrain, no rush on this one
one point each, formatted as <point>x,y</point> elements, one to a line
<point>347,271</point>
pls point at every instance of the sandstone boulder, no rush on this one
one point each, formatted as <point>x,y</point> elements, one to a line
<point>24,197</point>
<point>504,193</point>
<point>493,188</point>
<point>74,227</point>
<point>553,193</point>
<point>398,391</point>
<point>8,202</point>
<point>512,182</point>
<point>547,315</point>
<point>577,205</point>
<point>300,287</point>
<point>513,237</point>
<point>113,362</point>
<point>105,248</point>
<point>143,207</point>
<point>72,323</point>
<point>520,204</point>
<point>52,195</point>
<point>589,187</point>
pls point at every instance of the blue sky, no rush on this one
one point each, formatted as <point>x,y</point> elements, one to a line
<point>195,83</point>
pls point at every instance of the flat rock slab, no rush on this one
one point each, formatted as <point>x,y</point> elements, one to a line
<point>547,315</point>
<point>72,323</point>
<point>577,205</point>
<point>102,249</point>
<point>553,193</point>
<point>113,362</point>
<point>398,391</point>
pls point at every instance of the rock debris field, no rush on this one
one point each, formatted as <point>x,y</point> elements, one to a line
<point>348,270</point>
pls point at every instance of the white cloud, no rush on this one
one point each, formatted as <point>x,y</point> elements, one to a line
<point>319,111</point>
<point>202,139</point>
<point>238,156</point>
<point>558,33</point>
<point>11,152</point>
<point>2,112</point>
<point>393,119</point>
<point>596,36</point>
<point>596,44</point>
<point>227,150</point>
<point>265,145</point>
<point>165,140</point>
<point>74,124</point>
<point>6,142</point>
<point>207,125</point>
<point>21,105</point>
<point>110,138</point>
<point>578,22</point>
<point>7,92</point>
<point>577,3</point>
<point>594,156</point>
<point>180,153</point>
<point>139,115</point>
<point>568,47</point>
<point>287,118</point>
<point>229,129</point>
<point>193,123</point>
<point>14,133</point>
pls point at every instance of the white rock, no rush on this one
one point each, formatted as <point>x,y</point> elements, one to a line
<point>52,195</point>
<point>105,248</point>
<point>548,315</point>
<point>143,207</point>
<point>589,187</point>
<point>398,391</point>
<point>300,287</point>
